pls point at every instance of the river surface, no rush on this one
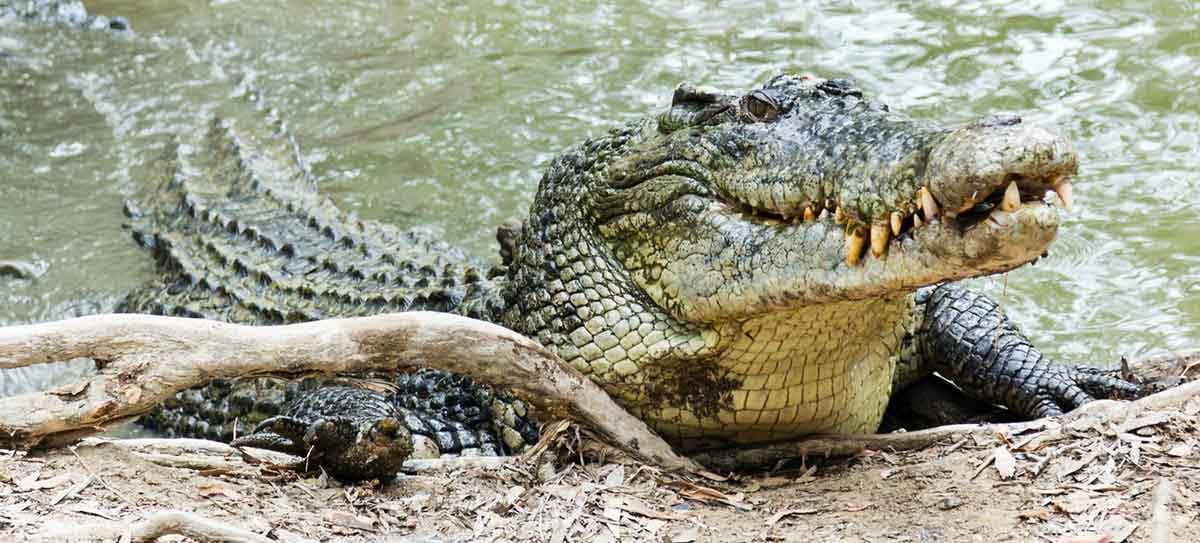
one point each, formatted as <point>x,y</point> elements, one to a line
<point>444,113</point>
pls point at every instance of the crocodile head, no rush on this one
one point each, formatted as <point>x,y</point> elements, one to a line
<point>799,209</point>
<point>803,192</point>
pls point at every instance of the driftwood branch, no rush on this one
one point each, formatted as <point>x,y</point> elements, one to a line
<point>189,525</point>
<point>203,455</point>
<point>143,360</point>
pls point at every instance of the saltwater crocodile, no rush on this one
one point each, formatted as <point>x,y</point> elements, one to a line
<point>741,268</point>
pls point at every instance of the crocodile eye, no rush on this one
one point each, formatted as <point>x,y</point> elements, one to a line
<point>760,106</point>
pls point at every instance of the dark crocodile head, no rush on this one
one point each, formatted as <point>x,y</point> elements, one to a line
<point>802,191</point>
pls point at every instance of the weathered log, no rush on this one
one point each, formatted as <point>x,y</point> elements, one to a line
<point>143,360</point>
<point>201,454</point>
<point>158,525</point>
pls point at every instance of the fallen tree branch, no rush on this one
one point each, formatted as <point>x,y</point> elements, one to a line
<point>197,454</point>
<point>192,526</point>
<point>1160,521</point>
<point>200,454</point>
<point>143,360</point>
<point>1100,412</point>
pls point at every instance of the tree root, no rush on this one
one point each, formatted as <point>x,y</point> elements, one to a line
<point>143,360</point>
<point>166,523</point>
<point>204,455</point>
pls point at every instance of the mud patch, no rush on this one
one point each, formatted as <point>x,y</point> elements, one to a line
<point>701,386</point>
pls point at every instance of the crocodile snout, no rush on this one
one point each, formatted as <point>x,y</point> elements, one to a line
<point>975,162</point>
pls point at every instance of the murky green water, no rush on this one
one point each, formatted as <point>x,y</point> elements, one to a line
<point>443,113</point>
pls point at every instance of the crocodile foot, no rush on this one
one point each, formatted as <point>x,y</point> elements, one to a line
<point>966,337</point>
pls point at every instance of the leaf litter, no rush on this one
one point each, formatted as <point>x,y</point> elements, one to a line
<point>1074,482</point>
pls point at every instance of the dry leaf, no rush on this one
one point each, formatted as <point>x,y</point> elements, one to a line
<point>513,494</point>
<point>638,507</point>
<point>615,477</point>
<point>1036,514</point>
<point>1006,464</point>
<point>651,525</point>
<point>72,490</point>
<point>687,535</point>
<point>1118,528</point>
<point>1074,503</point>
<point>91,509</point>
<point>1153,419</point>
<point>133,394</point>
<point>788,512</point>
<point>210,490</point>
<point>1181,450</point>
<point>349,520</point>
<point>71,390</point>
<point>705,494</point>
<point>33,483</point>
<point>1085,539</point>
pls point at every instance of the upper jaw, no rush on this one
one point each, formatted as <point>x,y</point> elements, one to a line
<point>976,162</point>
<point>965,174</point>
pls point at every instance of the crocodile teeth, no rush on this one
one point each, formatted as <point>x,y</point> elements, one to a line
<point>854,247</point>
<point>839,216</point>
<point>897,222</point>
<point>929,204</point>
<point>916,221</point>
<point>879,239</point>
<point>1065,193</point>
<point>808,214</point>
<point>1012,198</point>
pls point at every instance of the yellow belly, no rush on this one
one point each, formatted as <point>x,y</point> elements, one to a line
<point>820,369</point>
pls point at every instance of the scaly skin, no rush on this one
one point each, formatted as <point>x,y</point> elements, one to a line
<point>704,267</point>
<point>353,432</point>
<point>242,236</point>
<point>709,268</point>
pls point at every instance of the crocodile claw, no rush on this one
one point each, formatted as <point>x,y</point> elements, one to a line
<point>1059,389</point>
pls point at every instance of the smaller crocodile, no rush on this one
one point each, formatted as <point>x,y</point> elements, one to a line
<point>452,412</point>
<point>354,433</point>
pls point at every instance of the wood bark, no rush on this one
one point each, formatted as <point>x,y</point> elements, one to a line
<point>143,360</point>
<point>158,525</point>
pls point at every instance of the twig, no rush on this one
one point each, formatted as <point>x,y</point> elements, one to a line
<point>426,465</point>
<point>1161,521</point>
<point>103,482</point>
<point>158,525</point>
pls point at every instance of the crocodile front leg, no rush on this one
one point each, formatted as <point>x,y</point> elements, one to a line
<point>966,337</point>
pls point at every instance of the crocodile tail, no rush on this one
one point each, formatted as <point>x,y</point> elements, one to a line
<point>241,234</point>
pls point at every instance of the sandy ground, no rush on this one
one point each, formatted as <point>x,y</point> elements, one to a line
<point>1098,483</point>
